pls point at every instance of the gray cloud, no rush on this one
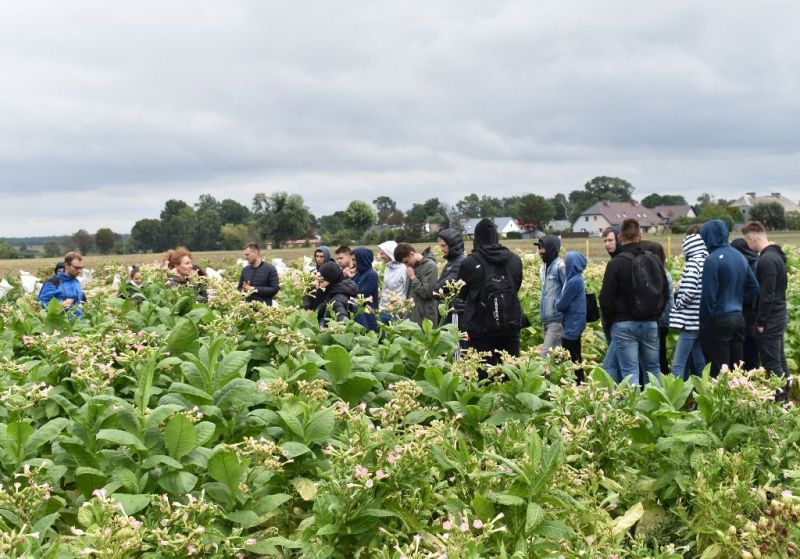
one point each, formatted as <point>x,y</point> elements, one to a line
<point>110,109</point>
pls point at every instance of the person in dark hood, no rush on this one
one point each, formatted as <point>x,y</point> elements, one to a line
<point>421,271</point>
<point>571,302</point>
<point>321,255</point>
<point>451,243</point>
<point>749,349</point>
<point>490,259</point>
<point>611,240</point>
<point>728,282</point>
<point>553,275</point>
<point>338,292</point>
<point>771,313</point>
<point>366,279</point>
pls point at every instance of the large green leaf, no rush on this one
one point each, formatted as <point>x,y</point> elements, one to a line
<point>46,433</point>
<point>178,482</point>
<point>121,438</point>
<point>233,365</point>
<point>339,364</point>
<point>183,337</point>
<point>131,504</point>
<point>224,467</point>
<point>180,436</point>
<point>320,426</point>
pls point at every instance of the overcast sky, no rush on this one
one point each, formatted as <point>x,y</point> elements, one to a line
<point>108,109</point>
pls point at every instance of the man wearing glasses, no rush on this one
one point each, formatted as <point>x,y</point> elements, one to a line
<point>65,287</point>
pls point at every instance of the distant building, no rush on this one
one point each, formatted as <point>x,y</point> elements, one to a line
<point>505,225</point>
<point>746,203</point>
<point>668,214</point>
<point>605,214</point>
<point>558,225</point>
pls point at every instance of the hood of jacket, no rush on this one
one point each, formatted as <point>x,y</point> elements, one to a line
<point>364,259</point>
<point>345,287</point>
<point>694,247</point>
<point>455,243</point>
<point>575,263</point>
<point>715,234</point>
<point>324,249</point>
<point>776,249</point>
<point>487,242</point>
<point>427,255</point>
<point>387,247</point>
<point>616,229</point>
<point>741,245</point>
<point>552,245</point>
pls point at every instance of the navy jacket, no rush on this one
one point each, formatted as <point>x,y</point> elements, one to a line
<point>264,279</point>
<point>67,288</point>
<point>572,300</point>
<point>728,280</point>
<point>367,280</point>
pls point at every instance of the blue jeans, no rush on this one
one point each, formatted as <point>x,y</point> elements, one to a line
<point>633,343</point>
<point>688,356</point>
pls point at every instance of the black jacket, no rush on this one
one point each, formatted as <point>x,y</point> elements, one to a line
<point>616,302</point>
<point>748,307</point>
<point>455,256</point>
<point>772,281</point>
<point>487,245</point>
<point>339,294</point>
<point>264,279</point>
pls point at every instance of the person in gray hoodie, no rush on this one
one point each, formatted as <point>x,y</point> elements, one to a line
<point>421,270</point>
<point>554,276</point>
<point>395,281</point>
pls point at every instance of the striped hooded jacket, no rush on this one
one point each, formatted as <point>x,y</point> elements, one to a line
<point>686,312</point>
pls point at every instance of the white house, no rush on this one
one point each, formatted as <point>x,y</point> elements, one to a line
<point>746,203</point>
<point>505,225</point>
<point>601,215</point>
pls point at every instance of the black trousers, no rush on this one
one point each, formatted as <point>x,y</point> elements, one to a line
<point>663,332</point>
<point>574,348</point>
<point>722,341</point>
<point>750,353</point>
<point>495,343</point>
<point>772,352</point>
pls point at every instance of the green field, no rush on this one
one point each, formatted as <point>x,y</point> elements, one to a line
<point>592,247</point>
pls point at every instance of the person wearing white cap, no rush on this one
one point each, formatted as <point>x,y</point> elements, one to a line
<point>395,280</point>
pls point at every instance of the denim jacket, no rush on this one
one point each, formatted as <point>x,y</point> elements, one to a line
<point>554,277</point>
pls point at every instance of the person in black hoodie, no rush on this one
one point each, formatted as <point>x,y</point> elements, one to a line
<point>338,291</point>
<point>771,314</point>
<point>611,240</point>
<point>749,349</point>
<point>451,244</point>
<point>489,257</point>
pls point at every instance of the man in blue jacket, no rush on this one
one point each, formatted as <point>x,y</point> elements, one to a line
<point>65,287</point>
<point>728,281</point>
<point>366,279</point>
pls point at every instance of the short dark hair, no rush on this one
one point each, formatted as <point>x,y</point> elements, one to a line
<point>252,246</point>
<point>754,227</point>
<point>608,230</point>
<point>70,256</point>
<point>344,249</point>
<point>694,229</point>
<point>655,248</point>
<point>403,250</point>
<point>630,230</point>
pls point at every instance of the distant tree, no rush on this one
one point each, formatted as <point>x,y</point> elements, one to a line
<point>703,200</point>
<point>209,224</point>
<point>280,217</point>
<point>52,249</point>
<point>235,235</point>
<point>7,251</point>
<point>613,189</point>
<point>562,209</point>
<point>104,240</point>
<point>772,215</point>
<point>148,235</point>
<point>231,211</point>
<point>207,202</point>
<point>385,207</point>
<point>181,228</point>
<point>793,221</point>
<point>82,241</point>
<point>430,211</point>
<point>171,209</point>
<point>531,210</point>
<point>469,207</point>
<point>360,216</point>
<point>715,211</point>
<point>653,200</point>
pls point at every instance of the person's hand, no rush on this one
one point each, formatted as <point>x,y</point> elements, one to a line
<point>410,272</point>
<point>760,329</point>
<point>247,288</point>
<point>68,302</point>
<point>349,272</point>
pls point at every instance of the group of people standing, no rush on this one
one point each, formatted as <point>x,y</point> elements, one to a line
<point>728,307</point>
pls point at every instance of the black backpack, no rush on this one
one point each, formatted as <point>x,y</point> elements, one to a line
<point>648,279</point>
<point>498,309</point>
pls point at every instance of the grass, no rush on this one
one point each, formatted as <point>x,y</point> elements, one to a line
<point>592,247</point>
